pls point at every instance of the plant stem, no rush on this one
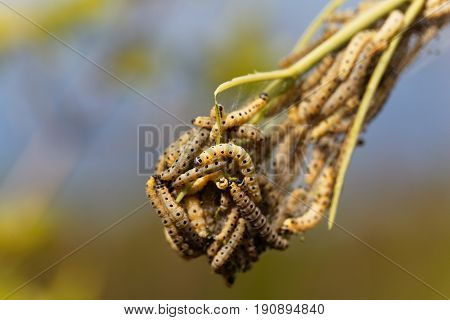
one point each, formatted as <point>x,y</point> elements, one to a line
<point>362,21</point>
<point>315,25</point>
<point>302,42</point>
<point>371,88</point>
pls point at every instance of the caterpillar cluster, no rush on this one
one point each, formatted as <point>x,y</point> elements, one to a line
<point>230,189</point>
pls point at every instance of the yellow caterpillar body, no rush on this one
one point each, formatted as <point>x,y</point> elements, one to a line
<point>389,29</point>
<point>203,122</point>
<point>196,215</point>
<point>247,131</point>
<point>201,182</point>
<point>326,125</point>
<point>314,99</point>
<point>352,52</point>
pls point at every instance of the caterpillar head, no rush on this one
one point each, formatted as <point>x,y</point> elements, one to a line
<point>264,96</point>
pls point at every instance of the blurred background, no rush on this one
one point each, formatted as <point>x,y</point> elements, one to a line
<point>68,164</point>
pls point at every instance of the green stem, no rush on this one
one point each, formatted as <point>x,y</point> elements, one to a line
<point>362,21</point>
<point>371,88</point>
<point>315,25</point>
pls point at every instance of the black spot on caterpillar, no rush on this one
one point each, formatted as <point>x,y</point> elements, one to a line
<point>247,131</point>
<point>196,215</point>
<point>203,122</point>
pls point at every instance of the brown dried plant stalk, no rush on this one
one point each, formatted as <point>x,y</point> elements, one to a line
<point>233,186</point>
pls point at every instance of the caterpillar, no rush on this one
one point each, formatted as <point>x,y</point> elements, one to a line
<point>196,215</point>
<point>203,122</point>
<point>227,250</point>
<point>175,240</point>
<point>227,150</point>
<point>342,126</point>
<point>327,124</point>
<point>321,202</point>
<point>156,202</point>
<point>288,151</point>
<point>389,29</point>
<point>318,159</point>
<point>224,234</point>
<point>257,221</point>
<point>247,131</point>
<point>313,101</point>
<point>350,86</point>
<point>197,172</point>
<point>189,151</point>
<point>353,49</point>
<point>201,182</point>
<point>318,72</point>
<point>178,215</point>
<point>173,151</point>
<point>240,116</point>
